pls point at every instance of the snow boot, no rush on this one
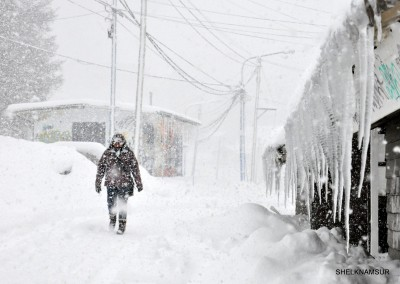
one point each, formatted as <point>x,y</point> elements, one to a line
<point>122,226</point>
<point>113,221</point>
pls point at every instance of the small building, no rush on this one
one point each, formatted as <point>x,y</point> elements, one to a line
<point>166,142</point>
<point>342,142</point>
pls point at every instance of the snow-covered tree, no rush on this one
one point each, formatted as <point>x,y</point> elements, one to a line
<point>28,70</point>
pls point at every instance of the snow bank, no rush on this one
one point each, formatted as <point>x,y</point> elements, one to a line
<point>41,179</point>
<point>270,249</point>
<point>44,177</point>
<point>54,228</point>
<point>91,150</point>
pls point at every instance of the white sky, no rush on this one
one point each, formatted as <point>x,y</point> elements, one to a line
<point>278,24</point>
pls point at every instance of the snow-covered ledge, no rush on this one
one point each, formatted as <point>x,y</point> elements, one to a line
<point>339,91</point>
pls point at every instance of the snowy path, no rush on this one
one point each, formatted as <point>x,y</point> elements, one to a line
<point>54,230</point>
<point>76,247</point>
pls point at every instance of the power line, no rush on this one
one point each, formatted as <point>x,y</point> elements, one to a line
<point>203,37</point>
<point>177,54</point>
<point>81,61</point>
<point>304,7</point>
<point>169,61</point>
<point>212,27</point>
<point>269,39</point>
<point>87,9</point>
<point>188,62</point>
<point>209,30</point>
<point>217,123</point>
<point>179,70</point>
<point>241,16</point>
<point>278,12</point>
<point>228,30</point>
<point>231,31</point>
<point>74,17</point>
<point>175,19</point>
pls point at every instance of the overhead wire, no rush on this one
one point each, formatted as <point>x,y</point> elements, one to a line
<point>73,17</point>
<point>85,62</point>
<point>186,77</point>
<point>209,30</point>
<point>176,53</point>
<point>203,37</point>
<point>277,11</point>
<point>178,20</point>
<point>217,123</point>
<point>166,58</point>
<point>212,26</point>
<point>304,7</point>
<point>87,9</point>
<point>232,30</point>
<point>179,70</point>
<point>188,62</point>
<point>242,16</point>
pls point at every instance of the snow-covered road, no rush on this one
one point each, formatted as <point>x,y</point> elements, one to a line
<point>54,229</point>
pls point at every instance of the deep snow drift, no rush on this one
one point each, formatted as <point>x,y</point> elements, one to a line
<point>54,230</point>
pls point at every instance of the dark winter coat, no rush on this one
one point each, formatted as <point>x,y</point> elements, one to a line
<point>118,168</point>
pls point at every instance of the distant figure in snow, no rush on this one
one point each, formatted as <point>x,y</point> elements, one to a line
<point>119,164</point>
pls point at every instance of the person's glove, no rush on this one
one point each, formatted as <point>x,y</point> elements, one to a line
<point>140,188</point>
<point>98,186</point>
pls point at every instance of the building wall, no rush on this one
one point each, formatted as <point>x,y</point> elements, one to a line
<point>56,125</point>
<point>164,149</point>
<point>322,215</point>
<point>392,138</point>
<point>378,193</point>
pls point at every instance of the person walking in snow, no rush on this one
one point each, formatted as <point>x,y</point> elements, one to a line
<point>118,163</point>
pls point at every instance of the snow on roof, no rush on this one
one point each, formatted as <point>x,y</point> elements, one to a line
<point>47,105</point>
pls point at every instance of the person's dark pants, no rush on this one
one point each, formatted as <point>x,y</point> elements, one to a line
<point>117,200</point>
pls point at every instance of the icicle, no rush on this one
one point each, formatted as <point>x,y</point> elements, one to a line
<point>319,183</point>
<point>326,182</point>
<point>368,104</point>
<point>293,189</point>
<point>335,190</point>
<point>312,184</point>
<point>308,205</point>
<point>319,132</point>
<point>347,186</point>
<point>340,202</point>
<point>362,77</point>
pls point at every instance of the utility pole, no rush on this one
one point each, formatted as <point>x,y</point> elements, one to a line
<point>254,147</point>
<point>140,76</point>
<point>242,136</point>
<point>151,98</point>
<point>218,158</point>
<point>196,144</point>
<point>242,113</point>
<point>113,34</point>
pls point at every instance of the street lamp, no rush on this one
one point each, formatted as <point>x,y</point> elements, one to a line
<point>242,114</point>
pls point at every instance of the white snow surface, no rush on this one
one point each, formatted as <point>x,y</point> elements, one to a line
<point>85,148</point>
<point>54,230</point>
